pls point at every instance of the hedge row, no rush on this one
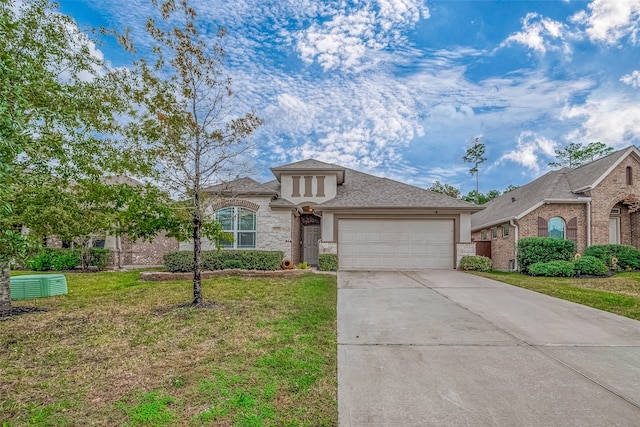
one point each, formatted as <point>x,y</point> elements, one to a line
<point>59,259</point>
<point>625,257</point>
<point>182,261</point>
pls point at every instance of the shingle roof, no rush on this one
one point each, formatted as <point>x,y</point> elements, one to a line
<point>309,165</point>
<point>587,176</point>
<point>361,190</point>
<point>244,186</point>
<point>564,184</point>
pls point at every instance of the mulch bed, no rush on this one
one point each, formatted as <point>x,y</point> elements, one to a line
<point>18,311</point>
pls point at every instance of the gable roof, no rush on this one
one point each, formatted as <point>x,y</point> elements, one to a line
<point>310,166</point>
<point>564,185</point>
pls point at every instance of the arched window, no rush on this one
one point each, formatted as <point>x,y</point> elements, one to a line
<point>241,224</point>
<point>629,176</point>
<point>556,228</point>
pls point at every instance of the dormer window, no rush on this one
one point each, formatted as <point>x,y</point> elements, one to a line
<point>629,176</point>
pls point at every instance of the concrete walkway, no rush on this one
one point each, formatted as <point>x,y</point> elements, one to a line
<point>445,348</point>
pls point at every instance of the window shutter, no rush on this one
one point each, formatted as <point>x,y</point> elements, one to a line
<point>572,229</point>
<point>542,227</point>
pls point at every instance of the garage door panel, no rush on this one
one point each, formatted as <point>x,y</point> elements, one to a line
<point>395,244</point>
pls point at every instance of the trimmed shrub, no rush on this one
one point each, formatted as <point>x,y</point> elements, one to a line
<point>552,269</point>
<point>476,262</point>
<point>40,262</point>
<point>182,261</point>
<point>99,257</point>
<point>232,263</point>
<point>590,266</point>
<point>178,261</point>
<point>533,250</point>
<point>67,260</point>
<point>54,259</point>
<point>628,256</point>
<point>328,262</point>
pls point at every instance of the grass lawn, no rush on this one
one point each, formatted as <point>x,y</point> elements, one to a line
<point>619,294</point>
<point>119,352</point>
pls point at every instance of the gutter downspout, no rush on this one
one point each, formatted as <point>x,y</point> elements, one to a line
<point>515,245</point>
<point>589,223</point>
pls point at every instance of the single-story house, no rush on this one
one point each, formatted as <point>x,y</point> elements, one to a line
<point>370,222</point>
<point>594,204</point>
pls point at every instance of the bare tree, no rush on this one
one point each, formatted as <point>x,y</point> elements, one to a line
<point>189,121</point>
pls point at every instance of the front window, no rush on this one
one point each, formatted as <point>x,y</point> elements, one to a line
<point>239,223</point>
<point>556,228</point>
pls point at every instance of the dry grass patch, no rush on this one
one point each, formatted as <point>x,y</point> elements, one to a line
<point>116,351</point>
<point>619,294</point>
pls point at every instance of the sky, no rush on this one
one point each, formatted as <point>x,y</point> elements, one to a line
<point>400,88</point>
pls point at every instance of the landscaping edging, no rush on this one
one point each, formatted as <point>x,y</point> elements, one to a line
<point>160,276</point>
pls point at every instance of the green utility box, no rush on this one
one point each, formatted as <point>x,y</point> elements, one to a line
<point>38,286</point>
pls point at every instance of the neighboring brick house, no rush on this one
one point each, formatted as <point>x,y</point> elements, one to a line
<point>594,204</point>
<point>370,222</point>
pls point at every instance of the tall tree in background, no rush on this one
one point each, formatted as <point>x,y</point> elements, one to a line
<point>577,154</point>
<point>475,156</point>
<point>189,119</point>
<point>446,189</point>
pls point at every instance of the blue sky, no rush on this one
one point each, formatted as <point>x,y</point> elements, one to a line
<point>398,88</point>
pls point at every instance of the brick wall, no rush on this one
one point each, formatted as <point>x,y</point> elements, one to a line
<point>528,225</point>
<point>144,252</point>
<point>609,193</point>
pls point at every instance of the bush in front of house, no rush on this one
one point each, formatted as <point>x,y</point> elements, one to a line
<point>533,250</point>
<point>475,262</point>
<point>233,263</point>
<point>590,266</point>
<point>182,261</point>
<point>627,256</point>
<point>99,257</point>
<point>552,269</point>
<point>328,262</point>
<point>61,259</point>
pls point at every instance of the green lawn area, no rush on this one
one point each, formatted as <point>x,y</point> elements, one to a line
<point>619,294</point>
<point>119,352</point>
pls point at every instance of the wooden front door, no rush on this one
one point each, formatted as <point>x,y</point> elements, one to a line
<point>310,244</point>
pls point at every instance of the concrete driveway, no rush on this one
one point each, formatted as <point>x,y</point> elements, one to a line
<point>445,348</point>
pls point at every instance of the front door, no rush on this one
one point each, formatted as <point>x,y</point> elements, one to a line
<point>614,231</point>
<point>310,242</point>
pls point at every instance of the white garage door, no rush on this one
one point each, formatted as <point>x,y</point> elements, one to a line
<point>382,244</point>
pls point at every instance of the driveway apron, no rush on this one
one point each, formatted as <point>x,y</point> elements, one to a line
<point>445,348</point>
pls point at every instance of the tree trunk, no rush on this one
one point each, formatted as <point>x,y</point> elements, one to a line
<point>197,253</point>
<point>5,288</point>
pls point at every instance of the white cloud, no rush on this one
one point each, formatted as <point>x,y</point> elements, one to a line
<point>609,21</point>
<point>540,34</point>
<point>349,36</point>
<point>612,118</point>
<point>529,148</point>
<point>632,79</point>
